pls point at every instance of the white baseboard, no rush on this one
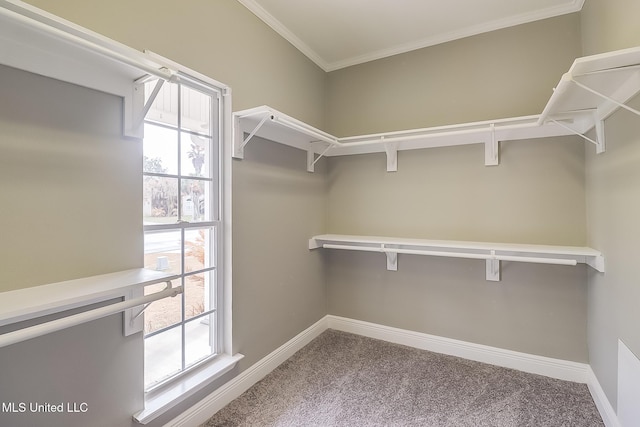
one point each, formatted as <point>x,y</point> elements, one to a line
<point>203,410</point>
<point>608,414</point>
<point>555,368</point>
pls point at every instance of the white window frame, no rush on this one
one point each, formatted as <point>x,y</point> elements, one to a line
<point>184,385</point>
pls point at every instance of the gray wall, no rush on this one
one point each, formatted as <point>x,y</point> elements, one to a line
<point>505,73</point>
<point>70,188</point>
<point>613,204</point>
<point>278,290</point>
<point>536,194</point>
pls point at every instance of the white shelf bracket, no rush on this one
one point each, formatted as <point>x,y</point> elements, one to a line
<point>608,98</point>
<point>312,159</point>
<point>596,262</point>
<point>575,132</point>
<point>152,97</point>
<point>392,259</point>
<point>136,109</point>
<point>492,149</point>
<point>238,149</point>
<point>391,148</point>
<point>493,268</point>
<point>600,138</point>
<point>133,320</point>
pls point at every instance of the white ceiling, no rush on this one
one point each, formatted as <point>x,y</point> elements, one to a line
<point>340,33</point>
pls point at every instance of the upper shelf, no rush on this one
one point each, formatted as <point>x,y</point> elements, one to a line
<point>273,125</point>
<point>37,301</point>
<point>598,85</point>
<point>36,41</point>
<point>592,90</point>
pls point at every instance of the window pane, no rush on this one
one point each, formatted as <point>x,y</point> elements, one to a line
<point>162,251</point>
<point>165,107</point>
<point>196,111</point>
<point>181,155</point>
<point>199,339</point>
<point>160,200</point>
<point>196,194</point>
<point>194,295</point>
<point>160,150</point>
<point>162,313</point>
<point>195,156</point>
<point>198,249</point>
<point>162,356</point>
<point>198,293</point>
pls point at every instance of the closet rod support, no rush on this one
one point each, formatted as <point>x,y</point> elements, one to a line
<point>493,268</point>
<point>491,148</point>
<point>391,149</point>
<point>144,307</point>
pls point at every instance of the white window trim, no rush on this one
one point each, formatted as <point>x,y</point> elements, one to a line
<point>159,401</point>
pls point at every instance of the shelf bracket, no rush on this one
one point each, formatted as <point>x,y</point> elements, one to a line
<point>600,139</point>
<point>133,321</point>
<point>596,262</point>
<point>392,259</point>
<point>136,109</point>
<point>493,268</point>
<point>312,159</point>
<point>492,149</point>
<point>238,151</point>
<point>391,148</point>
<point>608,98</point>
<point>599,143</point>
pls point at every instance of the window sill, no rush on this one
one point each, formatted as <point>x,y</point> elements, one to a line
<point>159,402</point>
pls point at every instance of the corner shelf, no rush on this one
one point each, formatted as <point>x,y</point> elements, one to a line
<point>493,253</point>
<point>591,91</point>
<point>595,86</point>
<point>35,302</point>
<point>273,125</point>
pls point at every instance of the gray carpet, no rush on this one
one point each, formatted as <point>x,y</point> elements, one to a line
<point>341,379</point>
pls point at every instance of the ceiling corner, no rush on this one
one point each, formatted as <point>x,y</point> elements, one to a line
<point>284,32</point>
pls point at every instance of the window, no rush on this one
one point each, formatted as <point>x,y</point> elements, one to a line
<point>182,193</point>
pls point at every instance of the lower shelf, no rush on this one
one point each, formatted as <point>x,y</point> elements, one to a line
<point>493,253</point>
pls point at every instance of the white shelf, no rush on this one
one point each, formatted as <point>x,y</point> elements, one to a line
<point>273,125</point>
<point>597,85</point>
<point>37,301</point>
<point>592,90</point>
<point>493,253</point>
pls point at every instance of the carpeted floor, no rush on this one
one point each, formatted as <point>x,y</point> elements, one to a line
<point>341,379</point>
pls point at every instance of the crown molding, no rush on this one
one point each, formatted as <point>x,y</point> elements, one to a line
<point>277,26</point>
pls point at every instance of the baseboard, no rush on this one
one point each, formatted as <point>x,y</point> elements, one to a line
<point>608,414</point>
<point>555,368</point>
<point>203,410</point>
